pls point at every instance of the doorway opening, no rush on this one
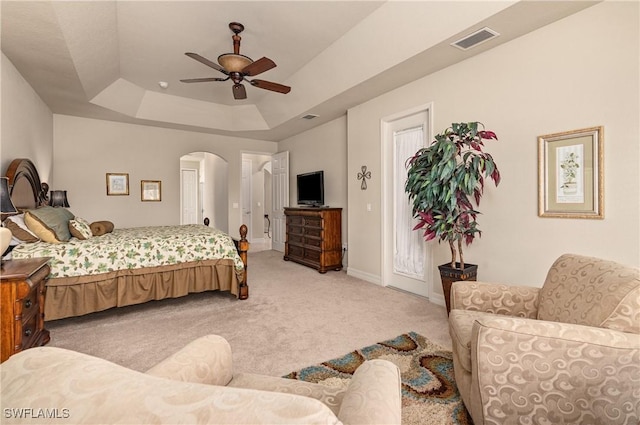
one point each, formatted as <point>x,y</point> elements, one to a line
<point>256,199</point>
<point>204,190</point>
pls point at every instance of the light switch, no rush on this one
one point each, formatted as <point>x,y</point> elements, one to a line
<point>369,207</point>
<point>235,205</point>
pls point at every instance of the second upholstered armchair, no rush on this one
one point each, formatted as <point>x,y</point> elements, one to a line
<point>565,353</point>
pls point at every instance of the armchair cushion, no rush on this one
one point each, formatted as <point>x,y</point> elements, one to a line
<point>331,396</point>
<point>373,395</point>
<point>460,329</point>
<point>554,372</point>
<point>592,292</point>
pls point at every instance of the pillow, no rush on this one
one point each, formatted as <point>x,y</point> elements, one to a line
<point>80,228</point>
<point>49,224</point>
<point>19,229</point>
<point>99,228</point>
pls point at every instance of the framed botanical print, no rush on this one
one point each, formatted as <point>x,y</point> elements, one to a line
<point>570,174</point>
<point>117,184</point>
<point>151,190</point>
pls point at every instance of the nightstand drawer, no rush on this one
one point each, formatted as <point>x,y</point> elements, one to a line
<point>30,304</point>
<point>23,298</point>
<point>29,330</point>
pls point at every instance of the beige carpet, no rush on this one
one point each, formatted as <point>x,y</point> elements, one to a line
<point>294,317</point>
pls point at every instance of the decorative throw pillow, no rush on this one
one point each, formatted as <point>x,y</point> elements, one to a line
<point>99,228</point>
<point>49,224</point>
<point>80,228</point>
<point>19,229</point>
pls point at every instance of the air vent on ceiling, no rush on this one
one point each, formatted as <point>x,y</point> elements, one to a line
<point>475,38</point>
<point>309,116</point>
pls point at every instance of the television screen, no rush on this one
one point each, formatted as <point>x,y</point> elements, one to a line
<point>311,188</point>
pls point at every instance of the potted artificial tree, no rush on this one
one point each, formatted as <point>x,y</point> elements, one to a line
<point>443,179</point>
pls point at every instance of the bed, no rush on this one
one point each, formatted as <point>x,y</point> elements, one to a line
<point>125,266</point>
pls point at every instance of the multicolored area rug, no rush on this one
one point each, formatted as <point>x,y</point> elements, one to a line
<point>429,392</point>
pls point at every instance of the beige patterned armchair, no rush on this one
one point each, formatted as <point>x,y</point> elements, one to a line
<point>194,386</point>
<point>566,353</point>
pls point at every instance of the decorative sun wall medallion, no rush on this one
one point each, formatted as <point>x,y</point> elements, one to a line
<point>364,175</point>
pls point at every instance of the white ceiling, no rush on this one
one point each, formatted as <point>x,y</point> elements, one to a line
<point>104,59</point>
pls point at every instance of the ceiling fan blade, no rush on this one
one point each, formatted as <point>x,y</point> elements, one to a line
<point>239,92</point>
<point>268,85</point>
<point>207,62</point>
<point>203,80</point>
<point>258,67</point>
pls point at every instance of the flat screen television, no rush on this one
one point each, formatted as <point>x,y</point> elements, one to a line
<point>311,189</point>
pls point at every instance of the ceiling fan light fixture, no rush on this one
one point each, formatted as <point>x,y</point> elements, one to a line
<point>237,67</point>
<point>234,63</point>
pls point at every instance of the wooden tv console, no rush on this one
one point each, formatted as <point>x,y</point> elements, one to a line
<point>314,237</point>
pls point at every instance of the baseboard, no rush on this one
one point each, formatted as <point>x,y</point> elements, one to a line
<point>364,276</point>
<point>437,299</point>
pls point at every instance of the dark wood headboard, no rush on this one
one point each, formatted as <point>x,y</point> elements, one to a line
<point>25,188</point>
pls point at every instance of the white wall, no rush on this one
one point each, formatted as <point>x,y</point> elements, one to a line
<point>216,191</point>
<point>579,72</point>
<point>86,149</point>
<point>322,148</point>
<point>27,123</point>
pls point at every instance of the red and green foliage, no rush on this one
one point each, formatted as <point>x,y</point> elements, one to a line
<point>443,180</point>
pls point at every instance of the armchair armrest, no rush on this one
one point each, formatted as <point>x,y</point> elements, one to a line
<point>553,372</point>
<point>508,300</point>
<point>206,360</point>
<point>373,395</point>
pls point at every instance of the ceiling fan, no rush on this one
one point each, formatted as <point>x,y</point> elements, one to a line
<point>237,67</point>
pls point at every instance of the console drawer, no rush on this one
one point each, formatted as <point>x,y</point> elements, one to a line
<point>296,251</point>
<point>296,238</point>
<point>312,254</point>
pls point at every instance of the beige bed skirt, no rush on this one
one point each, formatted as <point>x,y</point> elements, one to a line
<point>76,296</point>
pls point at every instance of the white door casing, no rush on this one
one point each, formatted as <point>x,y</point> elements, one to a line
<point>394,272</point>
<point>280,179</point>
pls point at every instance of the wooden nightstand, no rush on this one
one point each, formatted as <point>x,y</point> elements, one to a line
<point>23,295</point>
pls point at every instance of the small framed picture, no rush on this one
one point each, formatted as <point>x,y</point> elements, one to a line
<point>117,184</point>
<point>570,174</point>
<point>151,190</point>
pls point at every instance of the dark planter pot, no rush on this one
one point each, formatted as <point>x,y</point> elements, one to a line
<point>450,275</point>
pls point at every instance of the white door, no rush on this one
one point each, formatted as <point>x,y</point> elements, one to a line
<point>280,179</point>
<point>189,196</point>
<point>405,259</point>
<point>247,191</point>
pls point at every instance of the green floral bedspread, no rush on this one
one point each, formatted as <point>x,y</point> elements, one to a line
<point>133,248</point>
